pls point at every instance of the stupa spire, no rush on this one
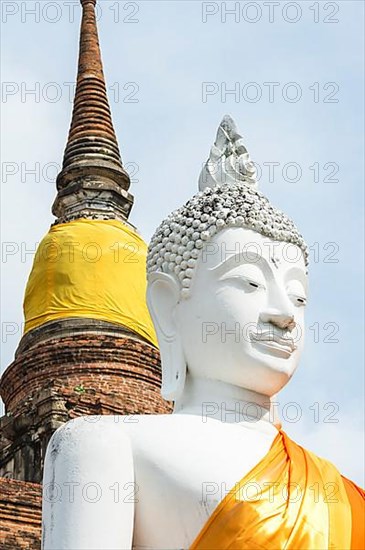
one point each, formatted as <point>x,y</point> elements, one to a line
<point>92,182</point>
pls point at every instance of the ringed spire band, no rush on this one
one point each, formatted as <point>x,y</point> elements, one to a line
<point>92,182</point>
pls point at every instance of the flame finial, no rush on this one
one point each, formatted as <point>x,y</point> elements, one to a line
<point>229,160</point>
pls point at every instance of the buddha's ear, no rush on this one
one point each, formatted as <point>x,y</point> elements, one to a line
<point>163,294</point>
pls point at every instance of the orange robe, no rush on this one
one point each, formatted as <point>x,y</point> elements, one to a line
<point>291,500</point>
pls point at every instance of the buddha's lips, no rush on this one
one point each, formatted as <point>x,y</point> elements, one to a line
<point>272,336</point>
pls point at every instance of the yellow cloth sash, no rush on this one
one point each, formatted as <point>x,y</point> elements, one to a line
<point>291,499</point>
<point>90,268</point>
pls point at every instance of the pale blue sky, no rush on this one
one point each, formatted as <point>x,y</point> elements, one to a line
<point>167,55</point>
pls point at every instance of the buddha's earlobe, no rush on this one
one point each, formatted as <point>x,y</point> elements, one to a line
<point>163,294</point>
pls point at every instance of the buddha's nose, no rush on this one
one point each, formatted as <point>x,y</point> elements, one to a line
<point>284,321</point>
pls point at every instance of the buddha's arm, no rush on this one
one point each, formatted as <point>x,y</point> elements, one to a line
<point>88,486</point>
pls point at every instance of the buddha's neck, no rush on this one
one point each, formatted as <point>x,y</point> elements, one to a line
<point>227,403</point>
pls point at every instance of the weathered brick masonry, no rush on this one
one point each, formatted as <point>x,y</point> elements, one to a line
<point>20,512</point>
<point>120,375</point>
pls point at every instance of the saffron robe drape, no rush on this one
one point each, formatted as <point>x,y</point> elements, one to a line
<point>291,499</point>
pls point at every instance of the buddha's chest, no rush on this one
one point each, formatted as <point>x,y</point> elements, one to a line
<point>180,479</point>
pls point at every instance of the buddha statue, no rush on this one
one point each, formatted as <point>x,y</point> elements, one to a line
<point>227,278</point>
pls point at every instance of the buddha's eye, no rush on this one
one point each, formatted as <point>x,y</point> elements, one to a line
<point>298,301</point>
<point>249,279</point>
<point>255,285</point>
<point>246,284</point>
<point>252,286</point>
<point>297,293</point>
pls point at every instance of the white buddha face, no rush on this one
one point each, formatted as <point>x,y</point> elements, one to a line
<point>244,321</point>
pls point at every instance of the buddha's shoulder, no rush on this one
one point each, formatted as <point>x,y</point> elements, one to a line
<point>101,427</point>
<point>86,436</point>
<point>144,424</point>
<point>122,434</point>
<point>154,434</point>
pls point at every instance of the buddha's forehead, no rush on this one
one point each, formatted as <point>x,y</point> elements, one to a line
<point>248,246</point>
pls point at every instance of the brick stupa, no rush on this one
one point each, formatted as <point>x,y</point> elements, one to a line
<point>67,365</point>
